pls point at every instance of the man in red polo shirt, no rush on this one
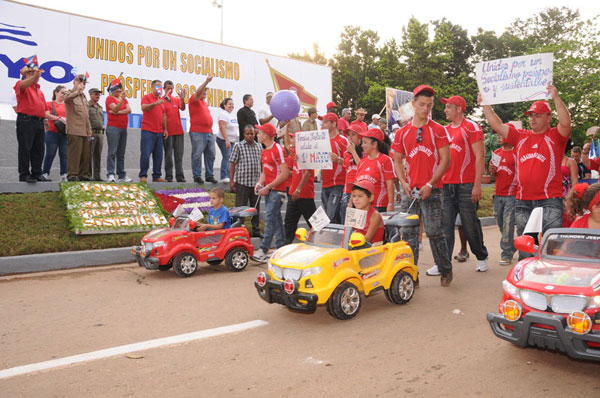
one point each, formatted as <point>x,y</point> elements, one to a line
<point>462,181</point>
<point>424,145</point>
<point>333,180</point>
<point>154,130</point>
<point>343,123</point>
<point>174,142</point>
<point>539,156</point>
<point>271,185</point>
<point>31,111</point>
<point>201,136</point>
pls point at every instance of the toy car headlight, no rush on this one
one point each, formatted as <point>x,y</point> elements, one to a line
<point>579,322</point>
<point>512,310</point>
<point>159,243</point>
<point>510,289</point>
<point>311,271</point>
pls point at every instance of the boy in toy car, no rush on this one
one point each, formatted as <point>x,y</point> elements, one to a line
<point>362,198</point>
<point>218,216</point>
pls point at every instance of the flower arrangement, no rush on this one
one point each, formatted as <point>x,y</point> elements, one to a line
<point>194,198</point>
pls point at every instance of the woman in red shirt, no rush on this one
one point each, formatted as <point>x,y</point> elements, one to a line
<point>352,158</point>
<point>584,201</point>
<point>54,139</point>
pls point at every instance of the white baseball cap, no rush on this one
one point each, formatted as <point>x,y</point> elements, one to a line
<point>375,116</point>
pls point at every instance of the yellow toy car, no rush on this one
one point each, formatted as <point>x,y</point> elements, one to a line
<point>335,267</point>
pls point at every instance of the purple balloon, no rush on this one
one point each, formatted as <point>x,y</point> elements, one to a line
<point>285,105</point>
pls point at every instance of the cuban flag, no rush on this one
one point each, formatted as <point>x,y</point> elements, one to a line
<point>15,33</point>
<point>598,149</point>
<point>31,62</point>
<point>593,153</point>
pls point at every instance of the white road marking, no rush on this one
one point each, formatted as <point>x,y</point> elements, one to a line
<point>124,349</point>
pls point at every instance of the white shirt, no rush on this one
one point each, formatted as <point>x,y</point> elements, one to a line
<point>264,112</point>
<point>231,128</point>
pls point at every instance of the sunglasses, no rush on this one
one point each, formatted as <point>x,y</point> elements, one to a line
<point>419,135</point>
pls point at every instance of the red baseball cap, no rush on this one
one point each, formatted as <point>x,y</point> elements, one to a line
<point>331,105</point>
<point>456,100</point>
<point>268,129</point>
<point>374,133</point>
<point>423,87</point>
<point>357,128</point>
<point>539,107</point>
<point>364,183</point>
<point>329,116</point>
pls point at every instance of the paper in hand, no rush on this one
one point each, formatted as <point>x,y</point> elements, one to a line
<point>196,215</point>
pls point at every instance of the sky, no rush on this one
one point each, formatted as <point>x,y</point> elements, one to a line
<point>281,27</point>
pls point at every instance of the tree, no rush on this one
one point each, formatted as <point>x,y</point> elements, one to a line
<point>318,57</point>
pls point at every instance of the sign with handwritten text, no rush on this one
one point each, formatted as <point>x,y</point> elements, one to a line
<point>515,79</point>
<point>313,149</point>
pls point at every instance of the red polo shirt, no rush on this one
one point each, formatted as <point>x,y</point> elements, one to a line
<point>506,175</point>
<point>462,166</point>
<point>272,159</point>
<point>174,126</point>
<point>201,120</point>
<point>31,101</point>
<point>378,171</point>
<point>152,120</point>
<point>337,175</point>
<point>118,121</point>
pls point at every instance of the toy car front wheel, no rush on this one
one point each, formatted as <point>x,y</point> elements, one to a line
<point>236,259</point>
<point>185,265</point>
<point>344,302</point>
<point>401,289</point>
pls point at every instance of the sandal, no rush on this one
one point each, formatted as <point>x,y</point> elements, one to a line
<point>462,257</point>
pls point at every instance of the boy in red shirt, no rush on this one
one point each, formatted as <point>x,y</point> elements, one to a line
<point>301,197</point>
<point>502,165</point>
<point>424,145</point>
<point>271,185</point>
<point>539,155</point>
<point>174,142</point>
<point>333,180</point>
<point>154,130</point>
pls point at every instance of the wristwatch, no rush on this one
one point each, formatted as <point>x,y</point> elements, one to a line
<point>429,185</point>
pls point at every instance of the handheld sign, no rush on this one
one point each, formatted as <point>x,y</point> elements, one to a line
<point>515,79</point>
<point>196,215</point>
<point>534,224</point>
<point>496,159</point>
<point>355,218</point>
<point>313,149</point>
<point>178,211</point>
<point>319,219</point>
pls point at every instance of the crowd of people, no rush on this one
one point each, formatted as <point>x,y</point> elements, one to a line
<point>436,170</point>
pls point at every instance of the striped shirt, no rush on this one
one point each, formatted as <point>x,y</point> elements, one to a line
<point>247,157</point>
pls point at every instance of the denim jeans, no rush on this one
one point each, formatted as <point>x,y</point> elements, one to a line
<point>55,141</point>
<point>202,144</point>
<point>273,221</point>
<point>225,153</point>
<point>553,212</point>
<point>504,207</point>
<point>151,144</point>
<point>116,139</point>
<point>431,211</point>
<point>330,199</point>
<point>343,206</point>
<point>457,199</point>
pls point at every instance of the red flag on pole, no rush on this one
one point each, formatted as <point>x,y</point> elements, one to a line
<point>282,82</point>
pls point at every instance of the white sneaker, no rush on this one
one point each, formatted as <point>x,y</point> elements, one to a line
<point>433,271</point>
<point>46,176</point>
<point>259,256</point>
<point>63,178</point>
<point>111,178</point>
<point>481,265</point>
<point>125,179</point>
<point>225,180</point>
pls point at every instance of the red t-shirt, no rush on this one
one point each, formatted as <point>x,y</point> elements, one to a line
<point>462,166</point>
<point>152,120</point>
<point>506,175</point>
<point>378,171</point>
<point>595,164</point>
<point>32,101</point>
<point>60,111</point>
<point>378,237</point>
<point>582,222</point>
<point>422,159</point>
<point>539,158</point>
<point>337,175</point>
<point>350,167</point>
<point>201,120</point>
<point>308,190</point>
<point>272,158</point>
<point>363,124</point>
<point>118,121</point>
<point>343,125</point>
<point>174,126</point>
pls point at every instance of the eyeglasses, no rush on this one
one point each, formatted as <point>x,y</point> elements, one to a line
<point>419,135</point>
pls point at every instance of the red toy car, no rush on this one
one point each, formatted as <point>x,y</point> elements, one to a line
<point>182,247</point>
<point>553,300</point>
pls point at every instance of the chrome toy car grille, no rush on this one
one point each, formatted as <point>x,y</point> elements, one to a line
<point>567,304</point>
<point>292,273</point>
<point>534,300</point>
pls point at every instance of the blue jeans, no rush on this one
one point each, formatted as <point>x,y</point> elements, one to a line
<point>202,144</point>
<point>151,144</point>
<point>431,211</point>
<point>116,139</point>
<point>225,153</point>
<point>553,212</point>
<point>55,141</point>
<point>330,199</point>
<point>273,220</point>
<point>504,207</point>
<point>457,199</point>
<point>343,206</point>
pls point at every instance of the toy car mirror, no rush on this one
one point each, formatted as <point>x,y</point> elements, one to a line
<point>171,221</point>
<point>525,243</point>
<point>301,234</point>
<point>192,225</point>
<point>357,240</point>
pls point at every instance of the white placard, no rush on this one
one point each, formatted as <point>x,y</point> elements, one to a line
<point>535,222</point>
<point>319,219</point>
<point>178,211</point>
<point>196,215</point>
<point>313,149</point>
<point>515,79</point>
<point>356,218</point>
<point>496,159</point>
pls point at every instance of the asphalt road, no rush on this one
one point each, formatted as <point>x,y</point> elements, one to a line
<point>423,348</point>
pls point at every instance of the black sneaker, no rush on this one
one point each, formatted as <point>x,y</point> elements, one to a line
<point>198,180</point>
<point>181,180</point>
<point>211,179</point>
<point>42,178</point>
<point>29,179</point>
<point>169,180</point>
